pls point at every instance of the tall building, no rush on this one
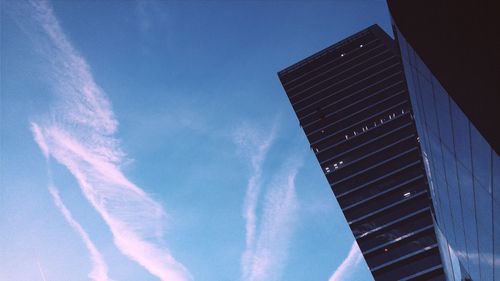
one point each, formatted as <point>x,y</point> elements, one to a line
<point>352,102</point>
<point>451,60</point>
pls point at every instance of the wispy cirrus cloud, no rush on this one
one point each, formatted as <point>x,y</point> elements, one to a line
<point>256,147</point>
<point>270,250</point>
<point>267,245</point>
<point>79,133</point>
<point>99,270</point>
<point>348,265</point>
<point>39,139</point>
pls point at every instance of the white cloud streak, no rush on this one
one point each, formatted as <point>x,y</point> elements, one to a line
<point>256,147</point>
<point>348,265</point>
<point>267,246</point>
<point>42,275</point>
<point>37,134</point>
<point>270,251</point>
<point>99,270</point>
<point>79,134</point>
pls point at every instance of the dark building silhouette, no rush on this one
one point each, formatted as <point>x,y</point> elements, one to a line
<point>450,53</point>
<point>352,102</point>
<point>459,41</point>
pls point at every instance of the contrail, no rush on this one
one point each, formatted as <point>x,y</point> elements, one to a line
<point>99,268</point>
<point>270,250</point>
<point>266,245</point>
<point>348,265</point>
<point>255,146</point>
<point>40,270</point>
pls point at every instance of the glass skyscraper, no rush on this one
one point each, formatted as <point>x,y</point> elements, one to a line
<point>352,102</point>
<point>462,166</point>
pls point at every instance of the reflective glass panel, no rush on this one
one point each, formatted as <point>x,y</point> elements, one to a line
<point>428,104</point>
<point>443,114</point>
<point>454,197</point>
<point>496,177</point>
<point>437,158</point>
<point>461,135</point>
<point>496,237</point>
<point>468,207</point>
<point>447,212</point>
<point>481,158</point>
<point>485,230</point>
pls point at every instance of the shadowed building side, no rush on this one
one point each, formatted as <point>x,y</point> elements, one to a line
<point>451,62</point>
<point>459,42</point>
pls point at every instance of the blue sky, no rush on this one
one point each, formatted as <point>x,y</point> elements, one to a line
<point>145,140</point>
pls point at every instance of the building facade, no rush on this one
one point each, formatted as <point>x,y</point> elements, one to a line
<point>462,166</point>
<point>463,172</point>
<point>352,102</point>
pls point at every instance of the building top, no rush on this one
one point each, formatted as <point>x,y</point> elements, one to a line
<point>338,48</point>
